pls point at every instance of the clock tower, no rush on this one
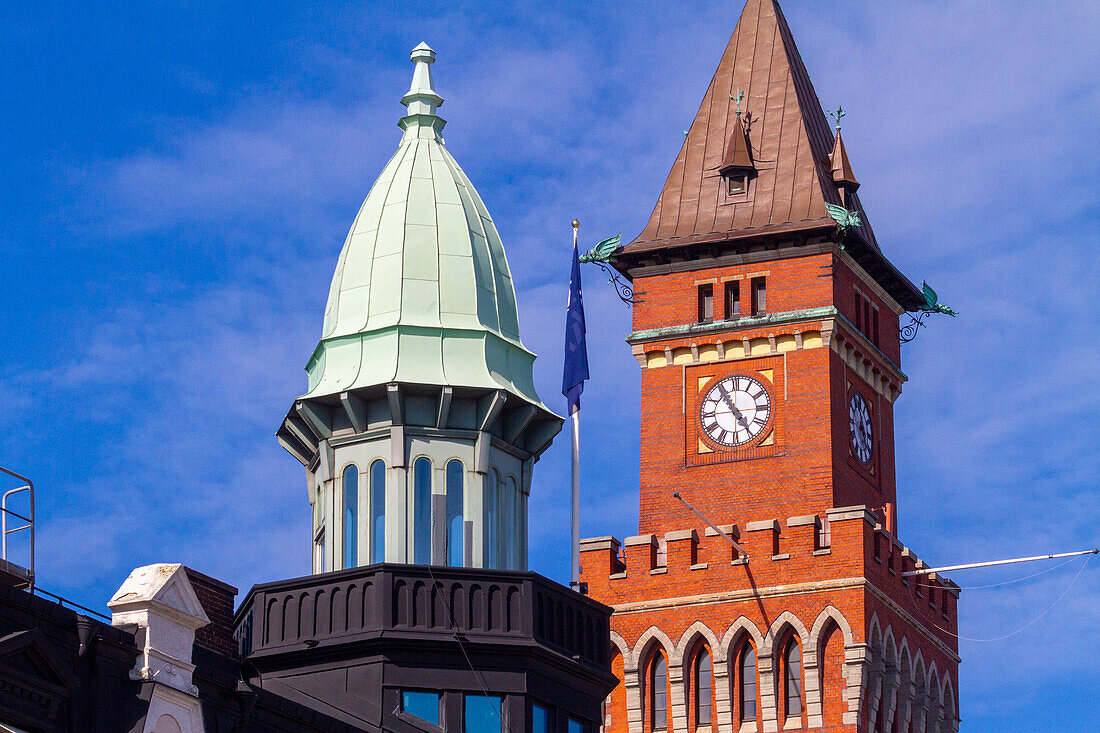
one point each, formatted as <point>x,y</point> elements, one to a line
<point>765,323</point>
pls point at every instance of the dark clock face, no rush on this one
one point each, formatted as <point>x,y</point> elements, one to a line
<point>859,420</point>
<point>735,410</point>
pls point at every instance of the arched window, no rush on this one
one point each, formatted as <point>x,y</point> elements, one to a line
<point>792,678</point>
<point>456,477</point>
<point>746,683</point>
<point>658,692</point>
<point>491,535</point>
<point>422,511</point>
<point>702,687</point>
<point>351,516</point>
<point>378,511</point>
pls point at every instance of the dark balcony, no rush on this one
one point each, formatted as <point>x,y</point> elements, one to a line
<point>348,642</point>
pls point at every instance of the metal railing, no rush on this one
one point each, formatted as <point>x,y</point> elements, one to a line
<point>28,525</point>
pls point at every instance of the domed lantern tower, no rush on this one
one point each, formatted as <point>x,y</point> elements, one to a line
<point>421,425</point>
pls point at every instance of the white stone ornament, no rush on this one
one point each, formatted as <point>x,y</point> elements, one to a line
<point>859,421</point>
<point>735,411</point>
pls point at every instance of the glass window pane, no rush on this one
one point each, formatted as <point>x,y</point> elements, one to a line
<point>482,714</point>
<point>424,705</point>
<point>702,688</point>
<point>793,676</point>
<point>422,511</point>
<point>747,680</point>
<point>576,726</point>
<point>540,719</point>
<point>456,477</point>
<point>351,516</point>
<point>378,511</point>
<point>659,693</point>
<point>490,533</point>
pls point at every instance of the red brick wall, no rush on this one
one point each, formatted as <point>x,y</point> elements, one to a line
<point>217,599</point>
<point>808,469</point>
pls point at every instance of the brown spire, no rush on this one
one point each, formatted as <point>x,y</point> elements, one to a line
<point>789,134</point>
<point>842,169</point>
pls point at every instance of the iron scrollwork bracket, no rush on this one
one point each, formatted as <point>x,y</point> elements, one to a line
<point>599,256</point>
<point>932,304</point>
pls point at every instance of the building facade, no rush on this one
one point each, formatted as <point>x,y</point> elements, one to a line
<point>766,325</point>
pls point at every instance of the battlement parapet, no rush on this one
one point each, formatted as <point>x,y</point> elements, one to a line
<point>844,542</point>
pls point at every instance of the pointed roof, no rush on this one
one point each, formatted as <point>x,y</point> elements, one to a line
<point>738,152</point>
<point>790,144</point>
<point>843,175</point>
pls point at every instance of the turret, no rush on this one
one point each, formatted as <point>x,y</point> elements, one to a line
<point>421,424</point>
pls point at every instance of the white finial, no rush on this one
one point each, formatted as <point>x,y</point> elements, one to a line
<point>422,99</point>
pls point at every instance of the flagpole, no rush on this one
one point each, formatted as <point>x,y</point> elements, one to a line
<point>575,534</point>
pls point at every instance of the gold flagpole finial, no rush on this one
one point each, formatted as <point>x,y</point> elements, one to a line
<point>576,223</point>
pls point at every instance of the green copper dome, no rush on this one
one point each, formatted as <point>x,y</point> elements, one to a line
<point>422,292</point>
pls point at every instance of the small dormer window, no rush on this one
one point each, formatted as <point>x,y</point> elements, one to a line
<point>736,183</point>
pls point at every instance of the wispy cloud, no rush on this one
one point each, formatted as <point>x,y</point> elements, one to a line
<point>969,125</point>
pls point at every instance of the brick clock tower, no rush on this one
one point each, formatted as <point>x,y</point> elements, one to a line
<point>766,326</point>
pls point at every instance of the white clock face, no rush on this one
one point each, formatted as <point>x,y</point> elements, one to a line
<point>735,411</point>
<point>859,420</point>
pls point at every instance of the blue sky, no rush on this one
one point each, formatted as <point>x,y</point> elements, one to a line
<point>178,181</point>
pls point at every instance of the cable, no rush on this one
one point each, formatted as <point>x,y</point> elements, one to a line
<point>458,637</point>
<point>1029,623</point>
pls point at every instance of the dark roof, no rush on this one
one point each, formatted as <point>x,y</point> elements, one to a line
<point>791,145</point>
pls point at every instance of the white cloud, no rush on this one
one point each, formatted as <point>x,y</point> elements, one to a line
<point>970,127</point>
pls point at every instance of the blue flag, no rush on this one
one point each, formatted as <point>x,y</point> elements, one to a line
<point>576,351</point>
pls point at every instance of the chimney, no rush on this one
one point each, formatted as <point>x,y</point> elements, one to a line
<point>218,601</point>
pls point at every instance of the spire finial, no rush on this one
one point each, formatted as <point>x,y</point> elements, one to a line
<point>738,98</point>
<point>838,116</point>
<point>422,100</point>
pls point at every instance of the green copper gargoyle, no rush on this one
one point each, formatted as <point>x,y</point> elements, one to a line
<point>844,219</point>
<point>603,249</point>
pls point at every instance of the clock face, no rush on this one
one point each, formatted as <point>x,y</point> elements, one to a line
<point>735,410</point>
<point>859,420</point>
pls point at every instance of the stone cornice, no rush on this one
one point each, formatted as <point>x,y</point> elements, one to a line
<point>703,329</point>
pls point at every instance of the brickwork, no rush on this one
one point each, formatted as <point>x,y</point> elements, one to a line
<point>814,606</point>
<point>217,599</point>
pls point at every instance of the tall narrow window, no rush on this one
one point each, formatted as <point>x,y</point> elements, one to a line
<point>706,303</point>
<point>319,551</point>
<point>456,478</point>
<point>733,299</point>
<point>874,326</point>
<point>351,516</point>
<point>658,693</point>
<point>792,678</point>
<point>422,511</point>
<point>378,511</point>
<point>510,525</point>
<point>746,683</point>
<point>824,533</point>
<point>759,287</point>
<point>702,688</point>
<point>490,534</point>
